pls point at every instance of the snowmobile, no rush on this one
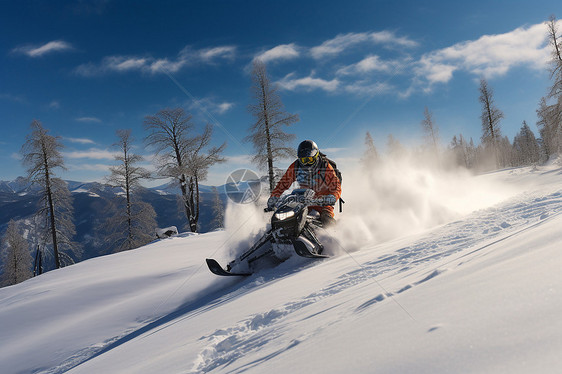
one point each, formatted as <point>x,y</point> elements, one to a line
<point>291,227</point>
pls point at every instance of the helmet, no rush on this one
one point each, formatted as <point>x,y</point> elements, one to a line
<point>308,153</point>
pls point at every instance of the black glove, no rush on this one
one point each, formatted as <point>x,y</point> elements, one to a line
<point>271,202</point>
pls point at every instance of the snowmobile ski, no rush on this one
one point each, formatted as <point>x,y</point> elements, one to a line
<point>302,250</point>
<point>215,268</point>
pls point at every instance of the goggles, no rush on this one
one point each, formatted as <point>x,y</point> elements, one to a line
<point>309,160</point>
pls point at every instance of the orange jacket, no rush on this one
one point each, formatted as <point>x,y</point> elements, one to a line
<point>325,181</point>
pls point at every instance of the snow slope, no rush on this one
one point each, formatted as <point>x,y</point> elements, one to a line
<point>480,293</point>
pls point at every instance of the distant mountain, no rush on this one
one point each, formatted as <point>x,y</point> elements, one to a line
<point>19,200</point>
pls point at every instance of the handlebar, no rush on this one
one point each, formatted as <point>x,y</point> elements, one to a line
<point>319,201</point>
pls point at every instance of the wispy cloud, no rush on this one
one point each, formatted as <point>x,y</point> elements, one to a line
<point>80,140</point>
<point>281,52</point>
<point>489,56</point>
<point>290,83</point>
<point>369,88</point>
<point>373,63</point>
<point>148,64</point>
<point>342,42</point>
<point>15,98</point>
<point>88,119</point>
<point>89,167</point>
<point>211,105</point>
<point>39,51</point>
<point>92,153</point>
<point>54,105</point>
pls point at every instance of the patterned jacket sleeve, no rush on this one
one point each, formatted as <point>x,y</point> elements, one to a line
<point>285,182</point>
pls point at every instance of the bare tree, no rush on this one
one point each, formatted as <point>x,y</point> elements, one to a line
<point>556,61</point>
<point>491,116</point>
<point>17,260</point>
<point>431,131</point>
<point>41,156</point>
<point>182,156</point>
<point>267,134</point>
<point>198,163</point>
<point>134,220</point>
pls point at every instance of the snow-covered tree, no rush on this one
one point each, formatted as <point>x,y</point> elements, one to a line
<point>491,116</point>
<point>267,135</point>
<point>525,147</point>
<point>550,126</point>
<point>464,153</point>
<point>134,221</point>
<point>42,157</point>
<point>17,260</point>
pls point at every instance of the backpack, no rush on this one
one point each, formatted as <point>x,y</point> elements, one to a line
<point>338,174</point>
<point>334,166</point>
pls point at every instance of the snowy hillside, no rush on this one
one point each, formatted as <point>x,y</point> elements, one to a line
<point>423,281</point>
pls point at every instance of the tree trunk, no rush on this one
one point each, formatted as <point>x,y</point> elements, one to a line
<point>52,218</point>
<point>268,142</point>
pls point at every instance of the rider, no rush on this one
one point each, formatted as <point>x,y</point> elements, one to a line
<point>311,170</point>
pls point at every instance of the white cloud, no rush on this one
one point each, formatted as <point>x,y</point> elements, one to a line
<point>147,64</point>
<point>80,140</point>
<point>88,119</point>
<point>387,37</point>
<point>345,41</point>
<point>281,52</point>
<point>54,104</point>
<point>224,107</point>
<point>38,51</point>
<point>308,83</point>
<point>372,63</point>
<point>489,56</point>
<point>239,160</point>
<point>89,167</point>
<point>92,153</point>
<point>209,104</point>
<point>369,88</point>
<point>211,54</point>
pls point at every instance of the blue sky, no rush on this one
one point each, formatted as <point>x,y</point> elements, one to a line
<point>88,68</point>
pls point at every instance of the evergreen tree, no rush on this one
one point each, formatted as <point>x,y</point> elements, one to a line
<point>218,211</point>
<point>17,260</point>
<point>525,147</point>
<point>42,157</point>
<point>550,126</point>
<point>431,131</point>
<point>371,156</point>
<point>267,134</point>
<point>134,221</point>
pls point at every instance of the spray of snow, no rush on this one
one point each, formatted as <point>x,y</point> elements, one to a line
<point>395,196</point>
<point>402,195</point>
<point>245,223</point>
